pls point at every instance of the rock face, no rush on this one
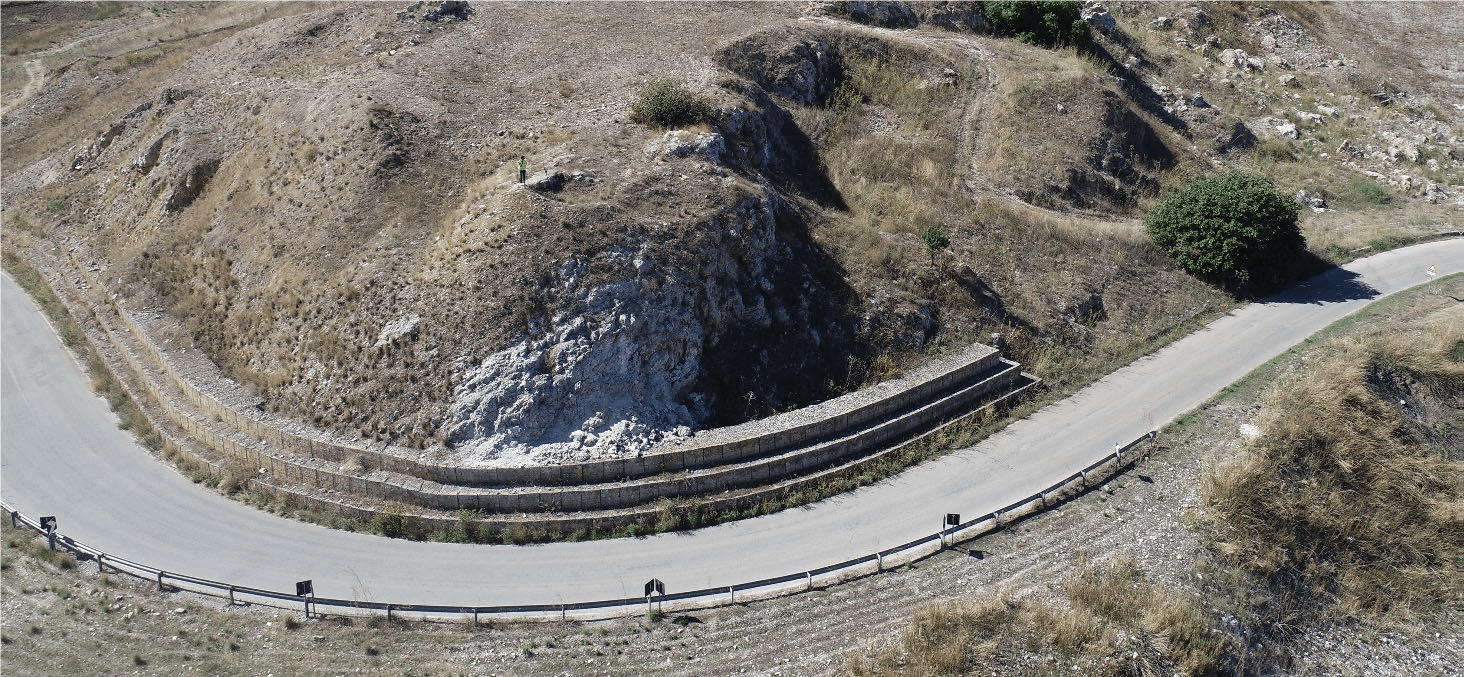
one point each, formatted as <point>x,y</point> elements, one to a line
<point>801,68</point>
<point>629,367</point>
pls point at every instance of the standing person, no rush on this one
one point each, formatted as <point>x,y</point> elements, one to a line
<point>523,168</point>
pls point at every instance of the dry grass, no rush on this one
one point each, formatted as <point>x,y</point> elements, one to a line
<point>1347,503</point>
<point>1109,621</point>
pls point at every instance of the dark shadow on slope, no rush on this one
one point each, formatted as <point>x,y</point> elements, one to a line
<point>804,351</point>
<point>767,144</point>
<point>1133,85</point>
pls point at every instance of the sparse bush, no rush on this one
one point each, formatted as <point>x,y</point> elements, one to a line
<point>1235,229</point>
<point>668,103</point>
<point>1050,24</point>
<point>389,523</point>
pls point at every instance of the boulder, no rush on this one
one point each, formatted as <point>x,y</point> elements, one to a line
<point>1288,80</point>
<point>1161,22</point>
<point>1286,130</point>
<point>1098,17</point>
<point>1312,200</point>
<point>406,326</point>
<point>1234,58</point>
<point>1346,148</point>
<point>546,181</point>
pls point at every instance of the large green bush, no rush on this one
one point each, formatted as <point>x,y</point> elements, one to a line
<point>666,103</point>
<point>1051,24</point>
<point>1235,229</point>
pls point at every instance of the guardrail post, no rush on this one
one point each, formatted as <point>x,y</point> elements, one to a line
<point>1043,494</point>
<point>809,577</point>
<point>562,613</point>
<point>231,595</point>
<point>388,613</point>
<point>879,558</point>
<point>14,515</point>
<point>732,594</point>
<point>160,581</point>
<point>101,566</point>
<point>475,617</point>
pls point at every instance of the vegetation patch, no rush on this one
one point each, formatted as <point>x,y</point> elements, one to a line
<point>1346,502</point>
<point>668,103</point>
<point>1051,24</point>
<point>1109,620</point>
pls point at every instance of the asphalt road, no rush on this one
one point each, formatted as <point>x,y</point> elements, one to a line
<point>61,453</point>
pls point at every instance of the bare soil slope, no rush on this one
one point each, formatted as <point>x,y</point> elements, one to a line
<point>324,198</point>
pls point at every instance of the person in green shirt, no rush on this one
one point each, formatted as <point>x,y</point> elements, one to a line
<point>523,168</point>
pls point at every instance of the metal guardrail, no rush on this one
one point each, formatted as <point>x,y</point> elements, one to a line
<point>694,599</point>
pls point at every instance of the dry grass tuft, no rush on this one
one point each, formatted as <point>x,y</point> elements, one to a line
<point>1348,501</point>
<point>1113,622</point>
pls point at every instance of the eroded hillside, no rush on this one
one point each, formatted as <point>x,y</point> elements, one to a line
<point>324,198</point>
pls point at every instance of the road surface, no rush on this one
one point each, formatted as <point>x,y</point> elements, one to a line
<point>61,453</point>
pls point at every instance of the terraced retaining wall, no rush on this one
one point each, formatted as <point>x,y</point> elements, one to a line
<point>818,439</point>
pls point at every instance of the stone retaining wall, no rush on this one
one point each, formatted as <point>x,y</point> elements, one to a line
<point>737,457</point>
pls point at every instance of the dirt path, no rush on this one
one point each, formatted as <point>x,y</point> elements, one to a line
<point>35,75</point>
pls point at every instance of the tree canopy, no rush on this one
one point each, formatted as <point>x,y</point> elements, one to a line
<point>1235,229</point>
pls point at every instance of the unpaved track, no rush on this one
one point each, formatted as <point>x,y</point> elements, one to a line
<point>63,455</point>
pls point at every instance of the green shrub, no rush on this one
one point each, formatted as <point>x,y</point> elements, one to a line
<point>935,240</point>
<point>666,103</point>
<point>389,523</point>
<point>1050,24</point>
<point>1235,229</point>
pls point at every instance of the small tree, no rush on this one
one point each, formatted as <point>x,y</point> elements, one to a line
<point>1235,229</point>
<point>1050,24</point>
<point>935,240</point>
<point>666,103</point>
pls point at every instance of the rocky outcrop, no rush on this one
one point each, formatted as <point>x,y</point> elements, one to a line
<point>647,343</point>
<point>188,187</point>
<point>801,67</point>
<point>438,10</point>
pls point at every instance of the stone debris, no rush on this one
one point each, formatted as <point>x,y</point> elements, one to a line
<point>708,146</point>
<point>406,326</point>
<point>437,10</point>
<point>1312,200</point>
